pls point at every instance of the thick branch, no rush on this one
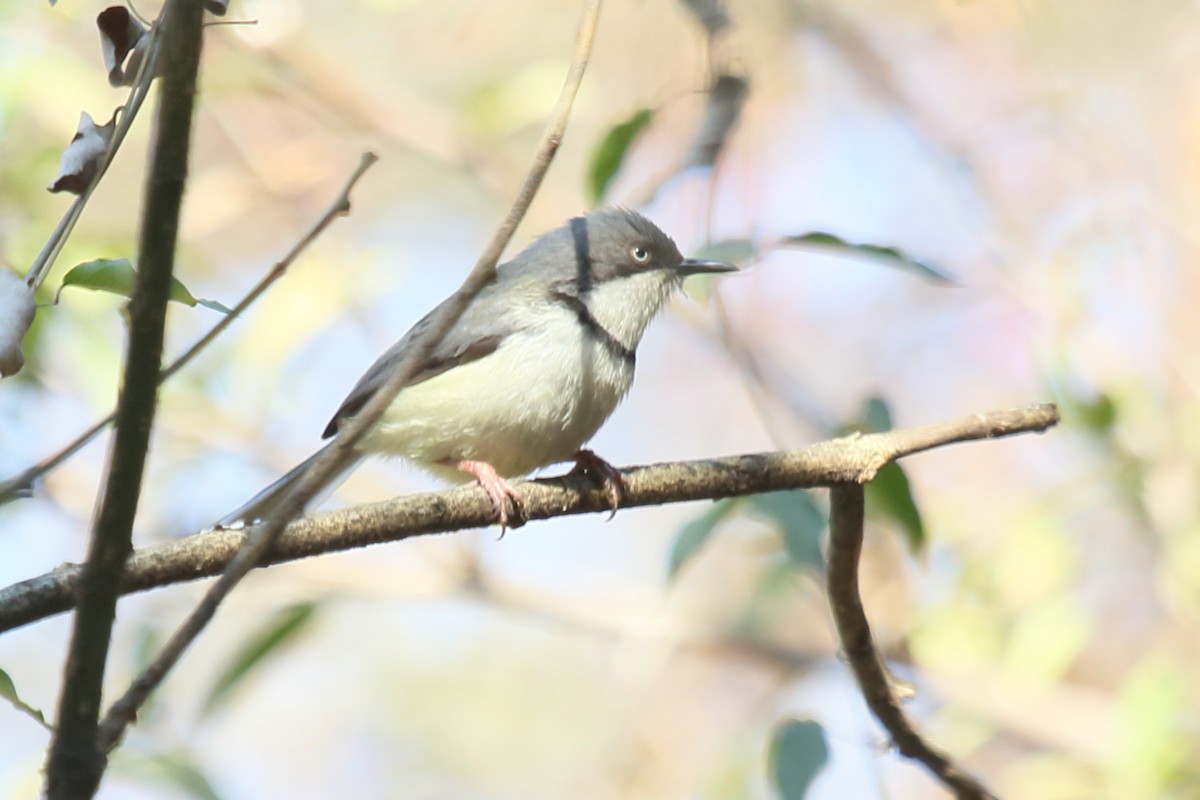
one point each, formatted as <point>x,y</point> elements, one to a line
<point>75,763</point>
<point>834,463</point>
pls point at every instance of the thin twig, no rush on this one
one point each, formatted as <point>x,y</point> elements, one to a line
<point>22,483</point>
<point>854,634</point>
<point>203,555</point>
<point>75,764</point>
<point>124,710</point>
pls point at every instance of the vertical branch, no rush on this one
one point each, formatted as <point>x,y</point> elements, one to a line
<point>854,634</point>
<point>76,763</point>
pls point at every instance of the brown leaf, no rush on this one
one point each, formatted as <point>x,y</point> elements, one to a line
<point>123,40</point>
<point>83,156</point>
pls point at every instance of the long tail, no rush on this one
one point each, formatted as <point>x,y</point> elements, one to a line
<point>266,502</point>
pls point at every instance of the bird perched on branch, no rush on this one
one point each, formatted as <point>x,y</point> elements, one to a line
<point>529,372</point>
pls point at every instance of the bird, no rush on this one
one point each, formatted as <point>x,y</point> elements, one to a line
<point>537,362</point>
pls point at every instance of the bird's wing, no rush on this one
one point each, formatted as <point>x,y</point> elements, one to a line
<point>474,336</point>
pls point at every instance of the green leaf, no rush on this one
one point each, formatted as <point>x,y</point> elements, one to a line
<point>610,152</point>
<point>214,305</point>
<point>115,275</point>
<point>891,495</point>
<point>693,535</point>
<point>876,416</point>
<point>281,630</point>
<point>1098,415</point>
<point>8,691</point>
<point>798,753</point>
<point>888,255</point>
<point>800,521</point>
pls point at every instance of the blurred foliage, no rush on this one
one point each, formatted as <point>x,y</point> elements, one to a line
<point>798,752</point>
<point>799,522</point>
<point>174,771</point>
<point>889,495</point>
<point>8,691</point>
<point>610,152</point>
<point>889,256</point>
<point>793,514</point>
<point>270,640</point>
<point>692,536</point>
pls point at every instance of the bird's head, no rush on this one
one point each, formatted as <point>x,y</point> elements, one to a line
<point>618,263</point>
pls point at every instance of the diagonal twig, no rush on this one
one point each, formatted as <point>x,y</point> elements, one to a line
<point>124,710</point>
<point>22,483</point>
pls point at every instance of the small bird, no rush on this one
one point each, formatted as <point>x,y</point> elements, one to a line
<point>530,371</point>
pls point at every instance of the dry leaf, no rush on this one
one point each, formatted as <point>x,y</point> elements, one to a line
<point>123,40</point>
<point>83,156</point>
<point>16,315</point>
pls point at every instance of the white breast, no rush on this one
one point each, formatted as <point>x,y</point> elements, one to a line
<point>535,401</point>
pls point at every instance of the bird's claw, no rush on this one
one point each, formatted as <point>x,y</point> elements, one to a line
<point>592,465</point>
<point>499,491</point>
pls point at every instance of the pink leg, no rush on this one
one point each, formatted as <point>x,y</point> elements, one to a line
<point>588,463</point>
<point>498,489</point>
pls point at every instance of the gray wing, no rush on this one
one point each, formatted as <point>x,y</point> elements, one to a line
<point>479,332</point>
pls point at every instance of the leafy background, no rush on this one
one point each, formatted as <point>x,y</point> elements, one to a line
<point>1041,155</point>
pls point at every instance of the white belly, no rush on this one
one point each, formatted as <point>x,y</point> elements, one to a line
<point>515,412</point>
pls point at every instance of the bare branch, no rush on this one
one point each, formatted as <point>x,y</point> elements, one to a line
<point>252,552</point>
<point>75,764</point>
<point>837,462</point>
<point>854,633</point>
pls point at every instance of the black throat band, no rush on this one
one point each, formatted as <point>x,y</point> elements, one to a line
<point>594,329</point>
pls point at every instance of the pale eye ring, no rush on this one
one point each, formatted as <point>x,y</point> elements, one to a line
<point>639,253</point>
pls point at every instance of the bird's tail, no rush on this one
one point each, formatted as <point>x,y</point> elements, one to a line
<point>267,502</point>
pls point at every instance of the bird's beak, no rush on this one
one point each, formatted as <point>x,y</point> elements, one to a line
<point>697,266</point>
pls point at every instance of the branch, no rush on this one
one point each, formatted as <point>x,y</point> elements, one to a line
<point>75,764</point>
<point>255,547</point>
<point>833,463</point>
<point>22,484</point>
<point>854,634</point>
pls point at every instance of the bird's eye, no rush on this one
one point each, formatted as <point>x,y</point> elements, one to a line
<point>639,254</point>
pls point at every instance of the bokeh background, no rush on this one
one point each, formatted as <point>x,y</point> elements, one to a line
<point>1043,154</point>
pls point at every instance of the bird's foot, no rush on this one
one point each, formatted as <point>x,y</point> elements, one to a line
<point>499,491</point>
<point>588,463</point>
